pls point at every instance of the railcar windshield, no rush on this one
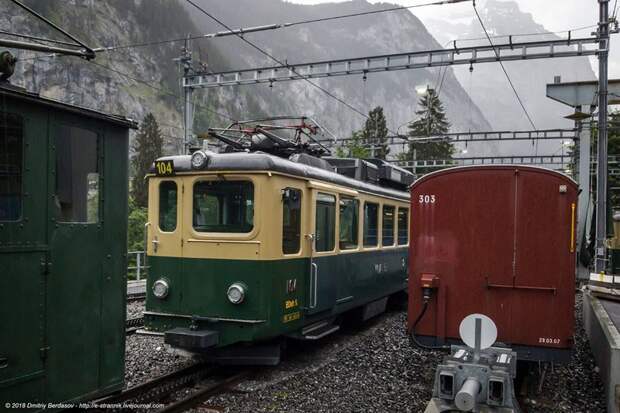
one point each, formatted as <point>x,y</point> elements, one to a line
<point>223,206</point>
<point>168,206</point>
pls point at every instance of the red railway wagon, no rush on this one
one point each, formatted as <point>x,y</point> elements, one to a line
<point>496,240</point>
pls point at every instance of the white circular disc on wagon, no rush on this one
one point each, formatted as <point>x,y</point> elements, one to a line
<point>488,331</point>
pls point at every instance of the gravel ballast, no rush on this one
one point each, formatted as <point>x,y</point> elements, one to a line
<point>378,370</point>
<point>369,369</point>
<point>146,357</point>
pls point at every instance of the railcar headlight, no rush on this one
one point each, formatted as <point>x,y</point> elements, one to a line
<point>161,289</point>
<point>236,293</point>
<point>199,160</point>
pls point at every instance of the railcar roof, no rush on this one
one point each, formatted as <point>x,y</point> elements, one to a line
<point>260,161</point>
<point>507,166</point>
<point>22,94</point>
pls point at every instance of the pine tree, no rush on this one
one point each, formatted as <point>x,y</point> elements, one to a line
<point>375,133</point>
<point>147,147</point>
<point>431,121</point>
<point>354,148</point>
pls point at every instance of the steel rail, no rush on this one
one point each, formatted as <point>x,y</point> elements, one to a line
<point>157,388</point>
<point>133,324</point>
<point>205,393</point>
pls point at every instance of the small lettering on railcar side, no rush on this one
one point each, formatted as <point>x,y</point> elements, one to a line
<point>291,317</point>
<point>426,199</point>
<point>290,303</point>
<point>548,340</point>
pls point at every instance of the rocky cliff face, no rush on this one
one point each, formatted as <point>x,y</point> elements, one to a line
<point>137,80</point>
<point>353,37</point>
<point>129,81</point>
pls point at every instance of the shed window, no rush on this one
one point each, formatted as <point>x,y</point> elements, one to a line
<point>325,222</point>
<point>349,211</point>
<point>291,220</point>
<point>371,224</point>
<point>11,166</point>
<point>388,225</point>
<point>403,226</point>
<point>168,206</point>
<point>223,206</point>
<point>77,175</point>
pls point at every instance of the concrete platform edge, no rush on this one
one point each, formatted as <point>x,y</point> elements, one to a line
<point>605,342</point>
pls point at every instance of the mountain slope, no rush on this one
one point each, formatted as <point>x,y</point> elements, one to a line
<point>489,88</point>
<point>136,80</point>
<point>353,37</point>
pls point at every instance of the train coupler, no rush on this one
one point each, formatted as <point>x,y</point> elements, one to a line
<point>475,382</point>
<point>191,339</point>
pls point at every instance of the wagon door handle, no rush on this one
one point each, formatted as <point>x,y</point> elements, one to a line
<point>155,244</point>
<point>520,287</point>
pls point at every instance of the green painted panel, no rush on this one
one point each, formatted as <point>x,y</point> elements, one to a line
<point>22,281</point>
<point>114,258</point>
<point>22,304</point>
<point>73,328</point>
<point>198,288</point>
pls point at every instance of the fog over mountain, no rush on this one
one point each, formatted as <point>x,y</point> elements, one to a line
<point>488,86</point>
<point>136,80</point>
<point>375,34</point>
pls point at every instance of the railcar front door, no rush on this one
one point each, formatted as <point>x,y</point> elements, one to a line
<point>322,284</point>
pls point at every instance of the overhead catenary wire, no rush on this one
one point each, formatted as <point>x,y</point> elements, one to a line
<point>241,32</point>
<point>269,55</point>
<point>527,115</point>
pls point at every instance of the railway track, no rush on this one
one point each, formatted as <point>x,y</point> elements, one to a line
<point>157,390</point>
<point>133,324</point>
<point>136,296</point>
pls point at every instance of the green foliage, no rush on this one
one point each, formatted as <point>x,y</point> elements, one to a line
<point>375,133</point>
<point>355,147</point>
<point>147,148</point>
<point>135,229</point>
<point>431,121</point>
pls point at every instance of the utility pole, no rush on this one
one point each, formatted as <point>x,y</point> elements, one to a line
<point>188,94</point>
<point>601,181</point>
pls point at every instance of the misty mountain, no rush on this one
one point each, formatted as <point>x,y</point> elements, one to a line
<point>135,80</point>
<point>487,84</point>
<point>376,34</point>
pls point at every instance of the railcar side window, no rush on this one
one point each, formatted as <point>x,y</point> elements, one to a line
<point>11,166</point>
<point>403,226</point>
<point>76,197</point>
<point>371,224</point>
<point>349,208</point>
<point>325,222</point>
<point>168,206</point>
<point>291,220</point>
<point>388,225</point>
<point>223,206</point>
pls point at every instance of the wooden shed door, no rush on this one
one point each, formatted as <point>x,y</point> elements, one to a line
<point>78,267</point>
<point>22,254</point>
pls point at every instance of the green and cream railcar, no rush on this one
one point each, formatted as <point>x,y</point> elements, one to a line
<point>244,248</point>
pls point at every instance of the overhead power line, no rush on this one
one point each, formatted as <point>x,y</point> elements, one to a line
<point>503,68</point>
<point>242,31</point>
<point>269,55</point>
